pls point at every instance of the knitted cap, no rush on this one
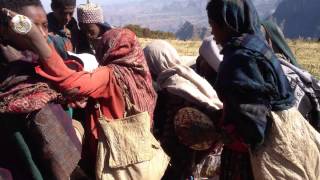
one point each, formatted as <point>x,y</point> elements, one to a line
<point>90,13</point>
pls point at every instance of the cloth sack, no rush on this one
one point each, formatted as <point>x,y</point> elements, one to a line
<point>290,151</point>
<point>306,91</point>
<point>128,150</point>
<point>54,141</point>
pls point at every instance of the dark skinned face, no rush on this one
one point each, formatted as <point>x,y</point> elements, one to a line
<point>63,14</point>
<point>92,30</point>
<point>221,33</point>
<point>38,17</point>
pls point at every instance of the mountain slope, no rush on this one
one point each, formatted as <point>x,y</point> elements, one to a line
<point>168,15</point>
<point>158,14</point>
<point>299,18</point>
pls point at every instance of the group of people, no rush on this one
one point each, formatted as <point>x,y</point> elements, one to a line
<point>246,110</point>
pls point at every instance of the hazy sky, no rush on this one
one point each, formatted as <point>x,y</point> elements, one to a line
<point>46,3</point>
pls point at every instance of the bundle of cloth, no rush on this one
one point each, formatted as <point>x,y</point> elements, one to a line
<point>34,127</point>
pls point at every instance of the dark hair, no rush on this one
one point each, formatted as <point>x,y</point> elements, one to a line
<point>17,5</point>
<point>55,4</point>
<point>214,9</point>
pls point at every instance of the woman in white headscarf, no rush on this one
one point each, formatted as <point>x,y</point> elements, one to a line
<point>178,86</point>
<point>172,75</point>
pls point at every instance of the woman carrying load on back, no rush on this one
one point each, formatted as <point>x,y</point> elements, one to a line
<point>178,86</point>
<point>265,136</point>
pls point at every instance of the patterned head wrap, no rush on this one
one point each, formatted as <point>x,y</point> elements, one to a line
<point>120,50</point>
<point>90,13</point>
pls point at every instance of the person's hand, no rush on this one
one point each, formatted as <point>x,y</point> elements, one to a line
<point>10,53</point>
<point>24,28</point>
<point>78,104</point>
<point>67,32</point>
<point>6,13</point>
<point>20,24</point>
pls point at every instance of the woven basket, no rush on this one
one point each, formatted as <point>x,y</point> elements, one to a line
<point>195,129</point>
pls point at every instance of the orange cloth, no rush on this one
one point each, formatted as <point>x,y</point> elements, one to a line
<point>100,85</point>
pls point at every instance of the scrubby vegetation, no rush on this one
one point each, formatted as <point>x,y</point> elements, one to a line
<point>147,33</point>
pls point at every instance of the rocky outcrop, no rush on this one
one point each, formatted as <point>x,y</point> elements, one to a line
<point>190,31</point>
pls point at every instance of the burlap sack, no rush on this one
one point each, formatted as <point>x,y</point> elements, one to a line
<point>291,150</point>
<point>128,150</point>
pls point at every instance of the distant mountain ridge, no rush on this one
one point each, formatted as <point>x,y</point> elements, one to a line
<point>158,14</point>
<point>168,15</point>
<point>299,18</point>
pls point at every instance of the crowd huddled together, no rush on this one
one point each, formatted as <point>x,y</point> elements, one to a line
<point>81,99</point>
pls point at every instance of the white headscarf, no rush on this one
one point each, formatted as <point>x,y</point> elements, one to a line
<point>210,51</point>
<point>164,62</point>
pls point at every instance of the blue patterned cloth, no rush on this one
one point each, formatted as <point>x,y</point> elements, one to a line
<point>251,83</point>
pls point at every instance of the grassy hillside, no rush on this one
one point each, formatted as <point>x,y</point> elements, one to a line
<point>307,52</point>
<point>308,55</point>
<point>184,48</point>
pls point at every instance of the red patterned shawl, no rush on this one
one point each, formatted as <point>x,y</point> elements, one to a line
<point>120,50</point>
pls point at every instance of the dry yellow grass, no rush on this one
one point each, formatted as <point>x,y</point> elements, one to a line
<point>308,55</point>
<point>307,52</point>
<point>184,48</point>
